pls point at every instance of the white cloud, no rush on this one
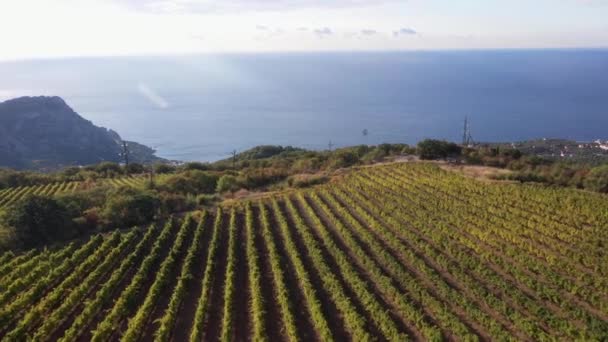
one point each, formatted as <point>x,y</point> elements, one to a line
<point>77,28</point>
<point>322,32</point>
<point>368,32</point>
<point>214,6</point>
<point>404,31</point>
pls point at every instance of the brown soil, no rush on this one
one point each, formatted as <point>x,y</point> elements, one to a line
<point>58,333</point>
<point>163,301</point>
<point>215,310</point>
<point>387,270</point>
<point>241,317</point>
<point>402,324</point>
<point>582,269</point>
<point>122,326</point>
<point>274,322</point>
<point>511,280</point>
<point>187,311</point>
<point>373,329</point>
<point>448,279</point>
<point>297,300</point>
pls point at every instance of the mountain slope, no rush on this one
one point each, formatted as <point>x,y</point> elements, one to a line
<point>44,132</point>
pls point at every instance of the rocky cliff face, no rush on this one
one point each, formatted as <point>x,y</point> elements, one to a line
<point>44,132</point>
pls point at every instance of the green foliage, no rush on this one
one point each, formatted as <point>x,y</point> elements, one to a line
<point>252,178</point>
<point>196,166</point>
<point>304,181</point>
<point>437,149</point>
<point>597,179</point>
<point>206,200</point>
<point>176,203</point>
<point>11,178</point>
<point>107,169</point>
<point>190,182</point>
<point>341,159</point>
<point>163,168</point>
<point>38,220</point>
<point>227,183</point>
<point>134,168</point>
<point>129,207</point>
<point>266,151</point>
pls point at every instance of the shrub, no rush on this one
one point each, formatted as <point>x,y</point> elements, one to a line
<point>129,207</point>
<point>304,181</point>
<point>190,182</point>
<point>436,149</point>
<point>227,183</point>
<point>342,159</point>
<point>597,179</point>
<point>175,203</point>
<point>108,169</point>
<point>196,166</point>
<point>134,168</point>
<point>206,199</point>
<point>254,178</point>
<point>164,168</point>
<point>38,220</point>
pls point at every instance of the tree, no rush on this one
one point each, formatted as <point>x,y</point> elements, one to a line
<point>108,169</point>
<point>128,207</point>
<point>134,168</point>
<point>435,149</point>
<point>196,166</point>
<point>597,179</point>
<point>38,220</point>
<point>164,168</point>
<point>226,183</point>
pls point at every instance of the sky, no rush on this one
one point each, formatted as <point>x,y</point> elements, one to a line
<point>33,29</point>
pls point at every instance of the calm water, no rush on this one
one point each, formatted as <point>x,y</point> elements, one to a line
<point>202,107</point>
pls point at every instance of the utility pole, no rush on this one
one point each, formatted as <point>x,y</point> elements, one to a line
<point>330,145</point>
<point>125,154</point>
<point>465,131</point>
<point>152,182</point>
<point>234,159</point>
<point>467,138</point>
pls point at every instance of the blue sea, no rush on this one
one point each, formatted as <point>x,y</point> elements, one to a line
<point>203,107</point>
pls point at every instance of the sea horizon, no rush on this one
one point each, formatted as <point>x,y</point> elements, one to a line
<point>201,107</point>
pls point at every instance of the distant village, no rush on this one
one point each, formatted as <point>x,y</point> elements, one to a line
<point>596,150</point>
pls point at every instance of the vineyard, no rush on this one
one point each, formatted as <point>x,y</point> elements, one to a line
<point>9,196</point>
<point>395,252</point>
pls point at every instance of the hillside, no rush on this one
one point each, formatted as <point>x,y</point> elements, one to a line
<point>45,133</point>
<point>395,252</point>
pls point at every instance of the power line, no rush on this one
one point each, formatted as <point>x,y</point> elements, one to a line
<point>125,152</point>
<point>467,137</point>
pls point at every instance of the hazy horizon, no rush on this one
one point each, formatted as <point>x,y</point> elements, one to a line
<point>202,107</point>
<point>70,28</point>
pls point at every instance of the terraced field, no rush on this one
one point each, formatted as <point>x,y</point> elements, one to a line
<point>9,196</point>
<point>397,252</point>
